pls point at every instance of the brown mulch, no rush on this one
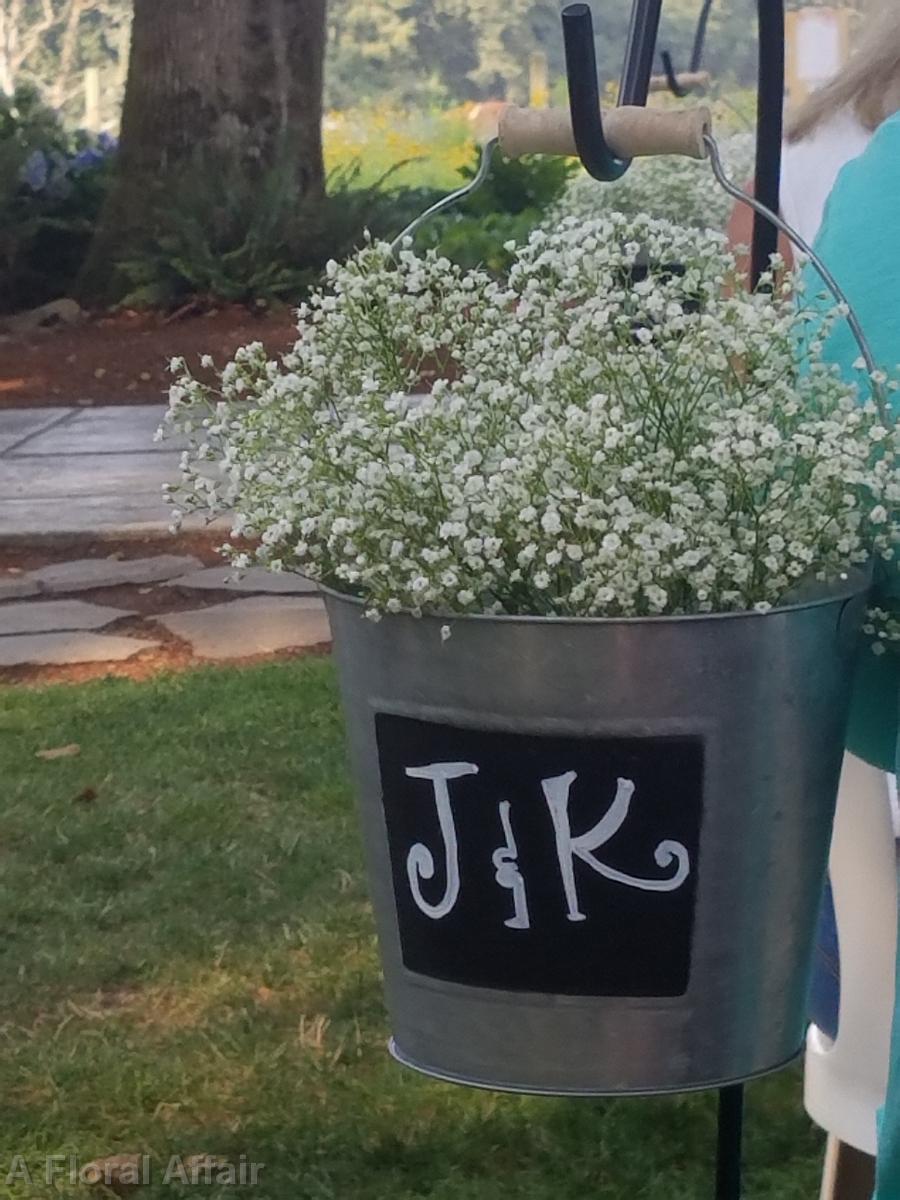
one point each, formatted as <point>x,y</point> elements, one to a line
<point>123,358</point>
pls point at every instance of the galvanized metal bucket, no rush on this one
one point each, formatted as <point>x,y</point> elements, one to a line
<point>596,848</point>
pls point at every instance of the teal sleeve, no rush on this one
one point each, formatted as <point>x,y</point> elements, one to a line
<point>860,243</point>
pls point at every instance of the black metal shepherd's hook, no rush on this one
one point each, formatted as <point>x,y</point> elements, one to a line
<point>672,76</point>
<point>696,54</point>
<point>730,1147</point>
<point>700,36</point>
<point>584,88</point>
<point>599,160</point>
<point>769,131</point>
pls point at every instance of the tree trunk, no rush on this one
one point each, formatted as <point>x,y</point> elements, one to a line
<point>236,81</point>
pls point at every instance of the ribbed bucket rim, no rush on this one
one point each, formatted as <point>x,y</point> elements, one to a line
<point>854,583</point>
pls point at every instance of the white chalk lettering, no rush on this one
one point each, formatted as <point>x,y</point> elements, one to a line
<point>506,864</point>
<point>420,861</point>
<point>568,847</point>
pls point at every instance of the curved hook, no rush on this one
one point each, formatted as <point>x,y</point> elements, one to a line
<point>671,77</point>
<point>700,36</point>
<point>584,90</point>
<point>584,96</point>
<point>696,53</point>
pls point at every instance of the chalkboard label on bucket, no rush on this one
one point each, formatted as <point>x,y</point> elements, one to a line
<point>562,865</point>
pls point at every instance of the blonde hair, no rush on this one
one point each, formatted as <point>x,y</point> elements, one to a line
<point>869,84</point>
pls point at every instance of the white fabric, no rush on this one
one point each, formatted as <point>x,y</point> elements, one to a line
<point>846,1080</point>
<point>810,169</point>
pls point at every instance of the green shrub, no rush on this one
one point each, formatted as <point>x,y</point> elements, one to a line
<point>518,185</point>
<point>513,201</point>
<point>221,237</point>
<point>52,187</point>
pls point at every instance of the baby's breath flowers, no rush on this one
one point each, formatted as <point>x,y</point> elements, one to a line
<point>615,430</point>
<point>882,627</point>
<point>683,190</point>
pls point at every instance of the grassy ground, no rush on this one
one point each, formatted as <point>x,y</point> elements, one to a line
<point>188,967</point>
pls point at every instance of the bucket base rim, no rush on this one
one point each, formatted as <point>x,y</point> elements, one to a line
<point>407,1060</point>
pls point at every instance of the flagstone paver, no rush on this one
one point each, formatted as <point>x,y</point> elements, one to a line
<point>57,631</point>
<point>19,425</point>
<point>117,516</point>
<point>86,573</point>
<point>54,616</point>
<point>76,471</point>
<point>112,430</point>
<point>100,472</point>
<point>60,476</point>
<point>254,579</point>
<point>257,625</point>
<point>17,587</point>
<point>58,649</point>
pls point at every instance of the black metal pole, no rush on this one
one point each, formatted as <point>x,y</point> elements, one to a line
<point>700,36</point>
<point>731,1143</point>
<point>640,51</point>
<point>769,130</point>
<point>672,76</point>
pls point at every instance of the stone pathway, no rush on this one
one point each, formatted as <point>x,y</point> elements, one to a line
<point>255,625</point>
<point>83,470</point>
<point>64,649</point>
<point>256,580</point>
<point>86,573</point>
<point>44,619</point>
<point>55,616</point>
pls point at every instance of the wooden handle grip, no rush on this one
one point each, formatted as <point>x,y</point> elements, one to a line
<point>687,79</point>
<point>629,132</point>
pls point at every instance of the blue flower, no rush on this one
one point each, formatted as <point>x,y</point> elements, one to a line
<point>36,170</point>
<point>92,156</point>
<point>84,160</point>
<point>59,184</point>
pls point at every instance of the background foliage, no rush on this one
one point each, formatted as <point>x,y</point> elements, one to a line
<point>401,79</point>
<point>52,184</point>
<point>51,43</point>
<point>411,51</point>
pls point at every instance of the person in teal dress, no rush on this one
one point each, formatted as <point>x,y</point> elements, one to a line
<point>860,243</point>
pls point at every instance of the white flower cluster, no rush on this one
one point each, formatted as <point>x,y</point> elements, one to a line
<point>615,429</point>
<point>882,628</point>
<point>683,190</point>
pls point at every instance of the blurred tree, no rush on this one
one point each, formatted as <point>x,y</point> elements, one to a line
<point>50,43</point>
<point>368,41</point>
<point>412,52</point>
<point>418,50</point>
<point>220,86</point>
<point>24,24</point>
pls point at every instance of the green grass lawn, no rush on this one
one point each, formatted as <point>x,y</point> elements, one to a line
<point>188,967</point>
